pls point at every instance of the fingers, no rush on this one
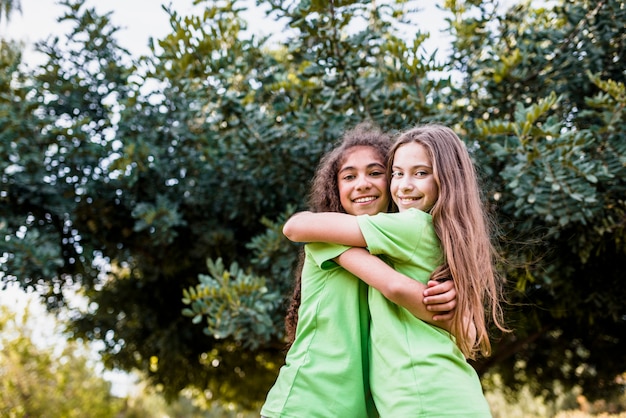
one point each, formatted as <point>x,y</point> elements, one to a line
<point>440,303</point>
<point>440,297</point>
<point>435,287</point>
<point>442,317</point>
<point>443,306</point>
<point>440,293</point>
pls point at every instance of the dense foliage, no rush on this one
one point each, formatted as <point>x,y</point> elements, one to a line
<point>159,185</point>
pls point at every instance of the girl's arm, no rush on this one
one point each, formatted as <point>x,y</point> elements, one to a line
<point>337,228</point>
<point>341,228</point>
<point>400,289</point>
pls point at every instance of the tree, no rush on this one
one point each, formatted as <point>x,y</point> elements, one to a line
<point>139,194</point>
<point>41,381</point>
<point>158,193</point>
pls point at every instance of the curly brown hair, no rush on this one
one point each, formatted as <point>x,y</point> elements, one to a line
<point>324,194</point>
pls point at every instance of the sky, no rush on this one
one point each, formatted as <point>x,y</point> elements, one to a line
<point>138,20</point>
<point>141,19</point>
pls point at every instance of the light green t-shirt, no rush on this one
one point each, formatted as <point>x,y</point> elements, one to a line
<point>326,369</point>
<point>416,369</point>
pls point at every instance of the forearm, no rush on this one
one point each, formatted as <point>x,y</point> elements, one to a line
<point>395,286</point>
<point>332,227</point>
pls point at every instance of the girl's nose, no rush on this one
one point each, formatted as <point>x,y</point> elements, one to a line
<point>406,184</point>
<point>363,182</point>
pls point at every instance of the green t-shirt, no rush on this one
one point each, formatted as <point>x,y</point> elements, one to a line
<point>416,368</point>
<point>326,369</point>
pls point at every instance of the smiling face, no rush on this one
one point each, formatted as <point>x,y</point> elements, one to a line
<point>412,180</point>
<point>362,182</point>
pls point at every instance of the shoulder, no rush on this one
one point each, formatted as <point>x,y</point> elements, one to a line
<point>322,253</point>
<point>408,215</point>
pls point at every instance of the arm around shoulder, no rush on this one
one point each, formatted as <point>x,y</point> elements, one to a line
<point>332,227</point>
<point>293,228</point>
<point>393,285</point>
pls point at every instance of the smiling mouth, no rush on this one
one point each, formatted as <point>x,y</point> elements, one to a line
<point>366,199</point>
<point>407,200</point>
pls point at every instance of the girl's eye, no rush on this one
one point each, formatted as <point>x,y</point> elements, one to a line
<point>377,173</point>
<point>396,174</point>
<point>348,177</point>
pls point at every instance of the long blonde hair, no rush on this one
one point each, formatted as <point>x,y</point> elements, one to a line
<point>462,225</point>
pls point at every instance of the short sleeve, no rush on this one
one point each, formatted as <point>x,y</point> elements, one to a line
<point>323,253</point>
<point>397,235</point>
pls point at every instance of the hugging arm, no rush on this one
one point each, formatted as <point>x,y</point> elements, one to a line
<point>399,288</point>
<point>407,292</point>
<point>334,227</point>
<point>341,228</point>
